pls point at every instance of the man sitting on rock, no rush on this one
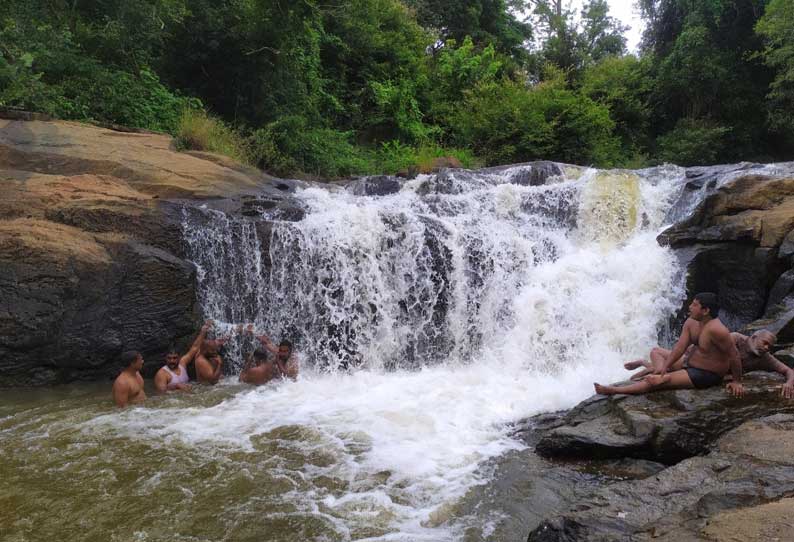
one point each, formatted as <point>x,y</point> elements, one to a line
<point>173,375</point>
<point>128,386</point>
<point>713,356</point>
<point>753,352</point>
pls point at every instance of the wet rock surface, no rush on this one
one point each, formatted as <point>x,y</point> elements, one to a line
<point>584,476</point>
<point>698,498</point>
<point>92,257</point>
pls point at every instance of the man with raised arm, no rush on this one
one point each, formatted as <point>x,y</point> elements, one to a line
<point>285,362</point>
<point>128,386</point>
<point>753,353</point>
<point>173,375</point>
<point>713,355</point>
<point>209,363</point>
<point>258,369</point>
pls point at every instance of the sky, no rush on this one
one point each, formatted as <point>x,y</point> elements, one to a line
<point>627,13</point>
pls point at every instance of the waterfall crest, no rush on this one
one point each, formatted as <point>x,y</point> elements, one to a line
<point>431,273</point>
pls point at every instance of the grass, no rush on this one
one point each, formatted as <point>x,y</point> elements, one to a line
<point>201,132</point>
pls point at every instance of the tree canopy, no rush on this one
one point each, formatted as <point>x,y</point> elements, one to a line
<point>338,87</point>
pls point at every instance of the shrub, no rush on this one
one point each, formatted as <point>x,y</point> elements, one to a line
<point>692,142</point>
<point>198,131</point>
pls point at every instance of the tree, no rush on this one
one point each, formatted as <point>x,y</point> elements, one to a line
<point>777,28</point>
<point>486,22</point>
<point>572,45</point>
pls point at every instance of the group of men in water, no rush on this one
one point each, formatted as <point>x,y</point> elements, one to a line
<point>704,355</point>
<point>266,363</point>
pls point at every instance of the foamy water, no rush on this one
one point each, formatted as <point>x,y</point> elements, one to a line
<point>463,310</point>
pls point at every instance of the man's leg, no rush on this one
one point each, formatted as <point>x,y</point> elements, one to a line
<point>669,381</point>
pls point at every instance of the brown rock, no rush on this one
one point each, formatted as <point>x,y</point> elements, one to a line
<point>91,258</point>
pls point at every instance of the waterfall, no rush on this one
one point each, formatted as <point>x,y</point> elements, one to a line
<point>436,271</point>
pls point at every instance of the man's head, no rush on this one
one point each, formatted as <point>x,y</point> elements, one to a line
<point>260,356</point>
<point>704,305</point>
<point>284,350</point>
<point>762,341</point>
<point>172,357</point>
<point>131,359</point>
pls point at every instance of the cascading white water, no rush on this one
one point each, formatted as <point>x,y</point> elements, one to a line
<point>458,305</point>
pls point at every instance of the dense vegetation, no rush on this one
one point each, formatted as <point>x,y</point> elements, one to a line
<point>335,87</point>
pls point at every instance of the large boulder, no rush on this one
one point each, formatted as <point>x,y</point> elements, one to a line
<point>92,257</point>
<point>664,426</point>
<point>700,497</point>
<point>735,243</point>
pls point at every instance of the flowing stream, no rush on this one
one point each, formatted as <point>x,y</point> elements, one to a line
<point>427,322</point>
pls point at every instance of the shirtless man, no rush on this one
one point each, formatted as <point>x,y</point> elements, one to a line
<point>714,355</point>
<point>173,375</point>
<point>128,386</point>
<point>258,369</point>
<point>285,362</point>
<point>753,353</point>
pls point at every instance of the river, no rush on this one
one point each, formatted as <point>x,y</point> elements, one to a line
<point>428,322</point>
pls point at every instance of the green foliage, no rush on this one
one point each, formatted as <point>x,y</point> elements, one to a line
<point>623,85</point>
<point>292,145</point>
<point>393,157</point>
<point>198,131</point>
<point>505,122</point>
<point>692,142</point>
<point>486,22</point>
<point>777,27</point>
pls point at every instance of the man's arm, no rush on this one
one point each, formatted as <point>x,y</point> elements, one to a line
<point>216,374</point>
<point>268,344</point>
<point>185,360</point>
<point>787,390</point>
<point>121,393</point>
<point>723,341</point>
<point>679,348</point>
<point>161,381</point>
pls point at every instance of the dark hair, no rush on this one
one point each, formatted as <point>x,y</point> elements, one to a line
<point>129,357</point>
<point>708,300</point>
<point>171,350</point>
<point>285,342</point>
<point>260,354</point>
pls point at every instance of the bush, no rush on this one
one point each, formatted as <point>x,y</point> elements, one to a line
<point>198,131</point>
<point>292,145</point>
<point>692,142</point>
<point>394,156</point>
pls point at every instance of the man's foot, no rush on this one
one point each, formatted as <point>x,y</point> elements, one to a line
<point>636,364</point>
<point>601,390</point>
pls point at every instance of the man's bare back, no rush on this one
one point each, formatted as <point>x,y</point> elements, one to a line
<point>128,386</point>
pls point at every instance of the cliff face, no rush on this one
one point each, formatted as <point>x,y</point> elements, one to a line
<point>91,253</point>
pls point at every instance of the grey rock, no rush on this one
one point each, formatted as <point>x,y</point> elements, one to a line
<point>749,465</point>
<point>663,426</point>
<point>379,185</point>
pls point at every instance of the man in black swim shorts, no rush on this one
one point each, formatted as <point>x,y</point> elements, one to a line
<point>713,354</point>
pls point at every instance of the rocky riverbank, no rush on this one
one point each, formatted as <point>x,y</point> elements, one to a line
<point>728,460</point>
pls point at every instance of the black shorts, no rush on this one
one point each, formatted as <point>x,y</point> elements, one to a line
<point>702,378</point>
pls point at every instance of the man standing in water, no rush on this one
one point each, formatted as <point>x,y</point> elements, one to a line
<point>128,386</point>
<point>285,362</point>
<point>173,375</point>
<point>714,355</point>
<point>258,369</point>
<point>753,353</point>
